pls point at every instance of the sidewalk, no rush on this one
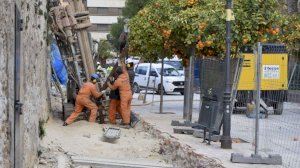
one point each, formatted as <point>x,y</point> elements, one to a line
<point>162,123</point>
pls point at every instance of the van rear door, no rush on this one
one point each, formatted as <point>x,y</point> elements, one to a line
<point>141,74</point>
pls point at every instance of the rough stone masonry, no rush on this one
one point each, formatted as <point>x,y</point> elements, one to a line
<point>34,79</point>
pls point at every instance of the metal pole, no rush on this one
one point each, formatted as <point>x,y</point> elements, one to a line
<point>186,90</point>
<point>153,91</point>
<point>76,66</point>
<point>17,142</point>
<point>144,101</point>
<point>191,85</point>
<point>257,102</point>
<point>161,86</point>
<point>226,141</point>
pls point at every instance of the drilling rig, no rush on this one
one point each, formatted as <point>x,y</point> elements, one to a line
<point>70,21</point>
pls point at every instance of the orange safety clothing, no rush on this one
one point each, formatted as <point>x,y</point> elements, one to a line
<point>87,90</point>
<point>122,83</point>
<point>114,107</point>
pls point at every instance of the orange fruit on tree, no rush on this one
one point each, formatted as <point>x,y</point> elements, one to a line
<point>273,32</point>
<point>200,45</point>
<point>208,43</point>
<point>191,2</point>
<point>263,40</point>
<point>157,5</point>
<point>245,40</point>
<point>210,52</point>
<point>202,26</point>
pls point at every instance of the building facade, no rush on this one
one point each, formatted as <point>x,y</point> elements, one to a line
<point>103,13</point>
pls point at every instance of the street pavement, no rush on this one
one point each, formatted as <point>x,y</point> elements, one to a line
<point>278,134</point>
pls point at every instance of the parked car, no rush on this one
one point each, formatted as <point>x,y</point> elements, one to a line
<point>175,62</point>
<point>172,82</point>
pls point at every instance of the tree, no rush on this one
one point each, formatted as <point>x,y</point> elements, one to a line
<point>115,32</point>
<point>175,25</point>
<point>132,7</point>
<point>104,51</point>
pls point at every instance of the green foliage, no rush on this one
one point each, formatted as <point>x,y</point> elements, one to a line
<point>115,32</point>
<point>171,26</point>
<point>132,7</point>
<point>291,31</point>
<point>104,50</point>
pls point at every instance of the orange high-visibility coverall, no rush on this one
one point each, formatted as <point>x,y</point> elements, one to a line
<point>87,90</point>
<point>122,83</point>
<point>114,107</point>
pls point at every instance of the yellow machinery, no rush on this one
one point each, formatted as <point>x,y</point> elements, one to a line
<point>274,76</point>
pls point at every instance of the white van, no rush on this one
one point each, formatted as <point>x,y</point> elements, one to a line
<point>175,62</point>
<point>172,82</point>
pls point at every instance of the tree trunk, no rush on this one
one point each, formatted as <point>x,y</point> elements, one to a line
<point>189,86</point>
<point>293,6</point>
<point>186,89</point>
<point>161,86</point>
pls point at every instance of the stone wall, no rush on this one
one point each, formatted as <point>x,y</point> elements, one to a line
<point>34,86</point>
<point>34,79</point>
<point>6,78</point>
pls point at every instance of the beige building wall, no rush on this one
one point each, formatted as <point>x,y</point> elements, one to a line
<point>103,13</point>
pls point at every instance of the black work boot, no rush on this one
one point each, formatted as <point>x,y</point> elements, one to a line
<point>133,120</point>
<point>65,124</point>
<point>125,126</point>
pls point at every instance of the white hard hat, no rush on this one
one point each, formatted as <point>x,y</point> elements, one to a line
<point>98,63</point>
<point>129,60</point>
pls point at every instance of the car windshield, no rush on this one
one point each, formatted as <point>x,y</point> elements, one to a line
<point>175,64</point>
<point>169,72</point>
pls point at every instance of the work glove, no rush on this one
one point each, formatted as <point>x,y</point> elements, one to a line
<point>111,79</point>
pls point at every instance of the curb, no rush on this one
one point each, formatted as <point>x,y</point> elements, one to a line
<point>181,155</point>
<point>146,104</point>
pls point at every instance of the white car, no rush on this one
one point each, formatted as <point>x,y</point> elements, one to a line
<point>175,62</point>
<point>172,81</point>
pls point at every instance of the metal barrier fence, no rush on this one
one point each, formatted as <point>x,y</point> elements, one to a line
<point>278,127</point>
<point>278,130</point>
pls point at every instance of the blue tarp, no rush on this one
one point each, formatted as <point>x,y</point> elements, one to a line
<point>58,65</point>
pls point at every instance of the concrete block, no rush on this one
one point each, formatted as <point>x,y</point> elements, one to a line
<point>184,130</point>
<point>184,123</point>
<point>256,159</point>
<point>199,134</point>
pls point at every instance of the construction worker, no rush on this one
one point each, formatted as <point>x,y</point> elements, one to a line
<point>130,69</point>
<point>122,83</point>
<point>131,73</point>
<point>109,69</point>
<point>114,104</point>
<point>100,70</point>
<point>83,99</point>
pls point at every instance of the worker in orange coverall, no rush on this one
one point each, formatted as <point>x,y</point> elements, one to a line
<point>83,99</point>
<point>114,104</point>
<point>122,83</point>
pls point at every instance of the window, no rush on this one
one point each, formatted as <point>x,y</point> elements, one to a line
<point>100,27</point>
<point>142,70</point>
<point>153,72</point>
<point>169,72</point>
<point>105,11</point>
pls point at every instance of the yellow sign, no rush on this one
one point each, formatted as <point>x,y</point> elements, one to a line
<point>229,15</point>
<point>274,72</point>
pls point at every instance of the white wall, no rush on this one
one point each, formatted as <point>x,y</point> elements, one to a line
<point>98,35</point>
<point>106,3</point>
<point>104,19</point>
